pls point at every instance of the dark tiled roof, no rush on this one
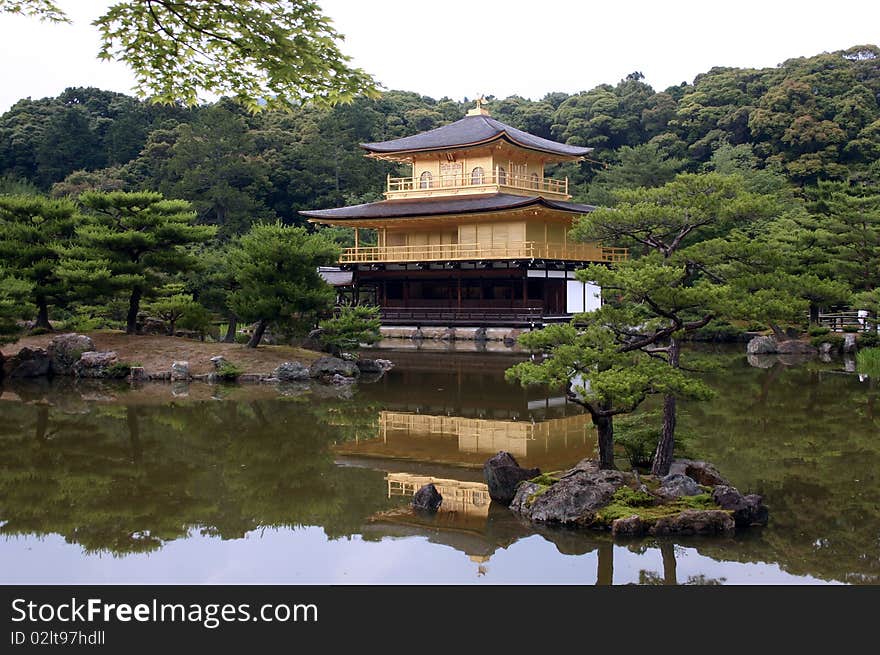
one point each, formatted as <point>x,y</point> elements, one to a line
<point>472,130</point>
<point>436,206</point>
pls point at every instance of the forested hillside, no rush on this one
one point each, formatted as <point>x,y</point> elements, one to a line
<point>798,144</point>
<point>808,119</point>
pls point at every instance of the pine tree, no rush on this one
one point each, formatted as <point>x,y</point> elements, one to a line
<point>353,326</point>
<point>32,230</point>
<point>129,243</point>
<point>276,268</point>
<point>14,293</point>
<point>656,300</point>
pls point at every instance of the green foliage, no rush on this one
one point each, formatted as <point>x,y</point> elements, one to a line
<point>43,9</point>
<point>836,340</point>
<point>33,231</point>
<point>120,370</point>
<point>818,330</point>
<point>276,270</point>
<point>868,340</point>
<point>13,186</point>
<point>850,213</point>
<point>216,163</point>
<point>868,362</point>
<point>171,308</point>
<point>129,243</point>
<point>719,331</point>
<point>627,502</point>
<point>198,319</point>
<point>275,53</point>
<point>14,305</point>
<point>228,371</point>
<point>353,326</point>
<point>638,434</point>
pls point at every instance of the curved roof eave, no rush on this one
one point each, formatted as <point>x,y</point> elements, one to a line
<point>414,208</point>
<point>472,131</point>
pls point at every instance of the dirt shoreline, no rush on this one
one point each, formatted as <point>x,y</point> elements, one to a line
<point>157,352</point>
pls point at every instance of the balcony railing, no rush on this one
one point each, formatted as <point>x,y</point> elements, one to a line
<point>585,252</point>
<point>472,181</point>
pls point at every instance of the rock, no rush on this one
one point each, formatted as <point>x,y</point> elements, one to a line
<point>368,367</point>
<point>291,372</point>
<point>180,389</point>
<point>339,379</point>
<point>762,346</point>
<point>427,499</point>
<point>312,341</point>
<point>747,510</point>
<point>572,501</point>
<point>327,367</point>
<point>762,361</point>
<point>249,377</point>
<point>628,527</point>
<point>219,361</point>
<point>503,474</point>
<point>525,493</point>
<point>676,485</point>
<point>374,366</point>
<point>794,347</point>
<point>180,371</point>
<point>826,348</point>
<point>694,521</point>
<point>849,343</point>
<point>94,364</point>
<point>480,334</point>
<point>703,473</point>
<point>65,350</point>
<point>138,374</point>
<point>27,363</point>
<point>152,325</point>
<point>511,339</point>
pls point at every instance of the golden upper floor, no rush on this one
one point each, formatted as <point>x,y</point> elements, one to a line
<point>475,155</point>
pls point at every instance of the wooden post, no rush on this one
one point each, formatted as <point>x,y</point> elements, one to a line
<point>546,247</point>
<point>357,234</point>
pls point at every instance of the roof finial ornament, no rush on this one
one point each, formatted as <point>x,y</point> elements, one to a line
<point>479,110</point>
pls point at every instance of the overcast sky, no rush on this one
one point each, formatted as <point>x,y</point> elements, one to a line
<point>462,48</point>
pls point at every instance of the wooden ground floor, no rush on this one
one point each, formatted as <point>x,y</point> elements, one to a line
<point>477,296</point>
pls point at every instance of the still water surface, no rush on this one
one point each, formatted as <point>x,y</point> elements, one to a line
<point>103,484</point>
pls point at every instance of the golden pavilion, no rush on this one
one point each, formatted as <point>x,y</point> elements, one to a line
<point>476,235</point>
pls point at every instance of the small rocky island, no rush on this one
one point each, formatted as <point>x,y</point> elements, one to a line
<point>694,499</point>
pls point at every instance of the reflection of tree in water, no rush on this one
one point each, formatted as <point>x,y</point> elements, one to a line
<point>807,438</point>
<point>126,479</point>
<point>670,571</point>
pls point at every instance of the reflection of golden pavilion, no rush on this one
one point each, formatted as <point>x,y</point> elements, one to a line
<point>550,443</point>
<point>488,435</point>
<point>466,497</point>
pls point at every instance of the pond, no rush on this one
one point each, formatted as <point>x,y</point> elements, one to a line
<point>174,484</point>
